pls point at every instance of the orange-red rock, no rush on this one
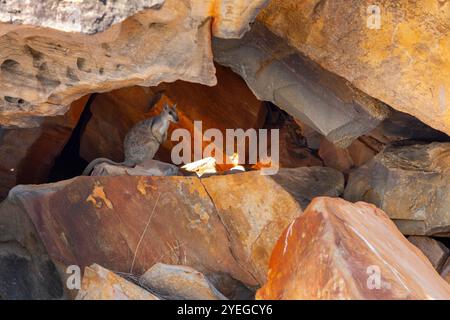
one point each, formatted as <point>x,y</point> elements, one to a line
<point>222,226</point>
<point>276,72</point>
<point>345,159</point>
<point>253,211</point>
<point>403,61</point>
<point>340,250</point>
<point>101,284</point>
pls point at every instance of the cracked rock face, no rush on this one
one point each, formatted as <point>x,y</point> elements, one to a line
<point>191,224</point>
<point>404,63</point>
<point>278,73</point>
<point>43,69</point>
<point>411,184</point>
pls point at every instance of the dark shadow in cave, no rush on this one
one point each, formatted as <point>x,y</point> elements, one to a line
<point>69,164</point>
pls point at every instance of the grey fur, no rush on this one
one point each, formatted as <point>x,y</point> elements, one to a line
<point>143,140</point>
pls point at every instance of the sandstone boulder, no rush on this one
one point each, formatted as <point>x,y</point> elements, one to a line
<point>340,250</point>
<point>411,184</point>
<point>222,226</point>
<point>403,61</point>
<point>43,68</point>
<point>101,284</point>
<point>147,168</point>
<point>276,72</point>
<point>434,250</point>
<point>254,220</point>
<point>180,283</point>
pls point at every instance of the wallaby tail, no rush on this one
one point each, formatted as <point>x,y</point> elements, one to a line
<point>97,161</point>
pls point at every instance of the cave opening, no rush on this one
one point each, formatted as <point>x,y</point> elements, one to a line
<point>68,163</point>
<point>107,117</point>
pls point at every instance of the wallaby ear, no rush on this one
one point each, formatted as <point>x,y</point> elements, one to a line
<point>174,107</point>
<point>166,107</point>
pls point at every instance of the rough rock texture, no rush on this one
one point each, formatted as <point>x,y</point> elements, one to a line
<point>147,168</point>
<point>340,250</point>
<point>411,184</point>
<point>232,17</point>
<point>28,154</point>
<point>228,105</point>
<point>85,16</point>
<point>42,70</point>
<point>402,126</point>
<point>356,154</point>
<point>180,283</point>
<point>434,250</point>
<point>101,284</point>
<point>26,271</point>
<point>292,145</point>
<point>129,223</point>
<point>404,63</point>
<point>396,127</point>
<point>254,220</point>
<point>277,73</point>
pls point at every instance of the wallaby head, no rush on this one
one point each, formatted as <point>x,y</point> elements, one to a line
<point>171,113</point>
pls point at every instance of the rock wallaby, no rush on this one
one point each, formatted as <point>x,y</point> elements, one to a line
<point>143,140</point>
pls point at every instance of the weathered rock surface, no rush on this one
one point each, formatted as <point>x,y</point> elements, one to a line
<point>276,72</point>
<point>28,154</point>
<point>83,16</point>
<point>232,17</point>
<point>26,271</point>
<point>129,223</point>
<point>344,159</point>
<point>292,145</point>
<point>147,168</point>
<point>101,284</point>
<point>434,250</point>
<point>228,105</point>
<point>340,250</point>
<point>180,283</point>
<point>402,126</point>
<point>404,63</point>
<point>254,220</point>
<point>396,127</point>
<point>42,70</point>
<point>411,184</point>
